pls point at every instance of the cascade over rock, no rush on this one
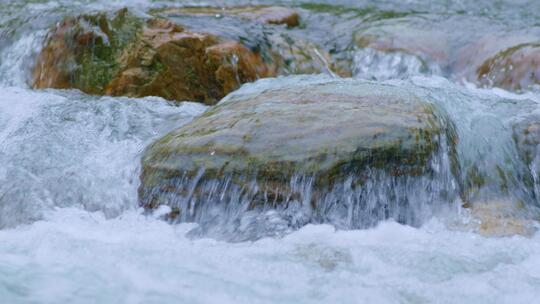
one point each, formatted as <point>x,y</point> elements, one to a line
<point>306,142</point>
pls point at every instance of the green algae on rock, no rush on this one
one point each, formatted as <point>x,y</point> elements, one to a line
<point>127,55</point>
<point>188,56</point>
<point>81,52</point>
<point>261,140</point>
<point>285,50</point>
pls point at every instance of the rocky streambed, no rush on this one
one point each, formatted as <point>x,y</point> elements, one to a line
<point>350,148</point>
<point>292,152</point>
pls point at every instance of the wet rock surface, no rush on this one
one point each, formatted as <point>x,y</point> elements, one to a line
<point>296,142</point>
<point>493,55</point>
<point>286,50</point>
<point>129,56</point>
<point>181,54</point>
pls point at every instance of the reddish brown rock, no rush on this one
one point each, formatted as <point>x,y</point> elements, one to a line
<point>181,65</point>
<point>126,55</point>
<point>274,15</point>
<point>262,14</point>
<point>516,68</point>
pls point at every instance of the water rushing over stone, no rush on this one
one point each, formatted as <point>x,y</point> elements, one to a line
<point>61,149</point>
<point>383,155</point>
<point>71,224</point>
<point>227,211</point>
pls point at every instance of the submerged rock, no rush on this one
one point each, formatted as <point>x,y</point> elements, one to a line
<point>527,138</point>
<point>526,135</point>
<point>409,35</point>
<point>346,152</point>
<point>500,219</point>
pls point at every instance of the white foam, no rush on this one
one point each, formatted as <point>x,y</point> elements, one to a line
<point>75,256</point>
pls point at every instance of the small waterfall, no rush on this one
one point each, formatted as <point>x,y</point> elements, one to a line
<point>226,210</point>
<point>68,139</point>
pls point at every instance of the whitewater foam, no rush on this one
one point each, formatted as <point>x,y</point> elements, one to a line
<point>76,256</point>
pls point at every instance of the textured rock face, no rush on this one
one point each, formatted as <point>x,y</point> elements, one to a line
<point>285,50</point>
<point>81,52</point>
<point>181,54</point>
<point>261,141</point>
<point>178,65</point>
<point>516,68</point>
<point>126,55</point>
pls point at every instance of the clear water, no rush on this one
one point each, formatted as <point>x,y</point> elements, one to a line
<point>72,231</point>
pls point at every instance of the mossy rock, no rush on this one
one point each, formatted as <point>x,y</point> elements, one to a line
<point>82,52</point>
<point>284,50</point>
<point>122,54</point>
<point>261,138</point>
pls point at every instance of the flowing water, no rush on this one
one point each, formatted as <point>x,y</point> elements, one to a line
<point>71,230</point>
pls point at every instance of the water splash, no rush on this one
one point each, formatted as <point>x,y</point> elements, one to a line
<point>242,208</point>
<point>68,149</point>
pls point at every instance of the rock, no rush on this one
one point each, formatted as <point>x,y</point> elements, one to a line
<point>81,52</point>
<point>265,145</point>
<point>262,14</point>
<point>494,55</point>
<point>181,65</point>
<point>527,138</point>
<point>505,59</point>
<point>126,55</point>
<point>516,68</point>
<point>284,51</point>
<point>500,219</point>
